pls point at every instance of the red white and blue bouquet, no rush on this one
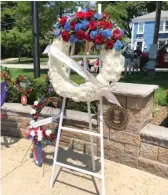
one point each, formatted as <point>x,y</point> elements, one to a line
<point>86,25</point>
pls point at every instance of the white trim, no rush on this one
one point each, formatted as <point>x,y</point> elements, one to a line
<point>147,19</point>
<point>132,34</point>
<point>164,26</point>
<point>143,28</point>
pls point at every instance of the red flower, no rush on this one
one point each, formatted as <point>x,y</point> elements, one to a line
<point>99,39</point>
<point>87,37</point>
<point>106,16</point>
<point>109,44</point>
<point>89,14</point>
<point>92,25</point>
<point>21,77</point>
<point>35,116</point>
<point>4,74</point>
<point>102,23</point>
<point>108,25</point>
<point>80,34</point>
<point>30,90</point>
<point>25,93</point>
<point>47,76</point>
<point>52,136</point>
<point>63,20</point>
<point>167,91</point>
<point>72,25</point>
<point>80,15</point>
<point>65,35</point>
<point>44,135</point>
<point>117,34</point>
<point>21,90</point>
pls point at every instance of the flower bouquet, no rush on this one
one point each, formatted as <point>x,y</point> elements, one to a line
<point>40,134</point>
<point>37,135</point>
<point>88,26</point>
<point>23,85</point>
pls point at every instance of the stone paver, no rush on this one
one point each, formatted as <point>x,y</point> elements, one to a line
<point>27,179</point>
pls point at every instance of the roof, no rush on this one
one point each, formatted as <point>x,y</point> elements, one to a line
<point>151,16</point>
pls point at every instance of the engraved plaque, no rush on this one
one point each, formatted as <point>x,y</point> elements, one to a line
<point>116,117</point>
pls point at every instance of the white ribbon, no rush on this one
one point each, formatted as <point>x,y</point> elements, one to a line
<point>81,71</point>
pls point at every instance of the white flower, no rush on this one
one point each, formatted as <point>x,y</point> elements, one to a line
<point>39,132</point>
<point>40,137</point>
<point>36,103</point>
<point>33,111</point>
<point>32,122</point>
<point>48,132</point>
<point>32,133</point>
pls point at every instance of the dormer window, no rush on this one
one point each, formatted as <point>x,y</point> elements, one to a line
<point>140,28</point>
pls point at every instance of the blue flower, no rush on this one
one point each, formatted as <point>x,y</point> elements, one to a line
<point>94,33</point>
<point>85,23</point>
<point>56,25</point>
<point>118,45</point>
<point>78,27</point>
<point>122,32</point>
<point>98,16</point>
<point>57,32</point>
<point>67,26</point>
<point>72,39</point>
<point>106,33</point>
<point>85,10</point>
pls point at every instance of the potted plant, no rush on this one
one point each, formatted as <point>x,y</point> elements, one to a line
<point>24,87</point>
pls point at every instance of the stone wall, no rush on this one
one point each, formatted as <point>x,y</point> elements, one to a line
<point>131,146</point>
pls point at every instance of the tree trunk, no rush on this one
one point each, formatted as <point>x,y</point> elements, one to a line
<point>19,55</point>
<point>157,22</point>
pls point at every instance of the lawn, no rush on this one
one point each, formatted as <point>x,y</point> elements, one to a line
<point>161,80</point>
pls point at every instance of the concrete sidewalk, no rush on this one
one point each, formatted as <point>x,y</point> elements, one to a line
<point>25,178</point>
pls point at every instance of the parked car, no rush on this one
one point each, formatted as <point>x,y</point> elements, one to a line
<point>162,58</point>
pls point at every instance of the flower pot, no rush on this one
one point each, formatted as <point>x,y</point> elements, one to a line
<point>38,153</point>
<point>24,99</point>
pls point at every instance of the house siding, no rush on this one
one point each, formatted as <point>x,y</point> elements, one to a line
<point>148,33</point>
<point>147,37</point>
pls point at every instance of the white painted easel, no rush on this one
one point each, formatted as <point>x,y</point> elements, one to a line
<point>89,132</point>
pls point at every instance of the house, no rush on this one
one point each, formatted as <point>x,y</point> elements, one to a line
<point>143,30</point>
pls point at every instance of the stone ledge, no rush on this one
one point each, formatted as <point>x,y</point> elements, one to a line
<point>133,90</point>
<point>154,134</point>
<point>153,167</point>
<point>70,114</point>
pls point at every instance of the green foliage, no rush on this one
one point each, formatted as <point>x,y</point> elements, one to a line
<point>122,12</point>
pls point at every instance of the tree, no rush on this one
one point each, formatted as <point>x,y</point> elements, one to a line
<point>123,12</point>
<point>17,33</point>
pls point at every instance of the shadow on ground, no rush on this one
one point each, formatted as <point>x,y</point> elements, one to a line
<point>73,158</point>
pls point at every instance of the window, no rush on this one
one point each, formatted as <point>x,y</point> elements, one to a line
<point>161,27</point>
<point>166,25</point>
<point>140,28</point>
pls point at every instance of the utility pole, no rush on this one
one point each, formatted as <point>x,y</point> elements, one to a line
<point>157,21</point>
<point>36,52</point>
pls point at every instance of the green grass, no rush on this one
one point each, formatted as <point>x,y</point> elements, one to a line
<point>161,80</point>
<point>25,60</point>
